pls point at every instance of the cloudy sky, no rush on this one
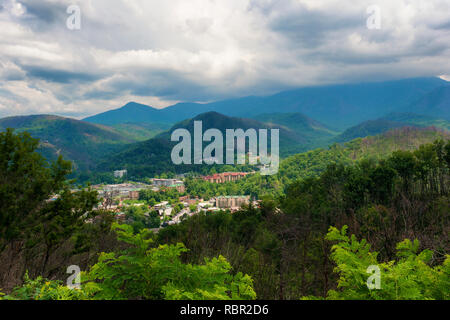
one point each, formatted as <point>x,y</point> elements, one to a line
<point>160,52</point>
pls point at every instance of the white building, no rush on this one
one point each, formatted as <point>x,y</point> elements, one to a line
<point>120,173</point>
<point>166,182</point>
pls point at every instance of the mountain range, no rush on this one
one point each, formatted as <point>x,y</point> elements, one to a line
<point>435,104</point>
<point>138,136</point>
<point>336,106</point>
<point>86,143</point>
<point>154,155</point>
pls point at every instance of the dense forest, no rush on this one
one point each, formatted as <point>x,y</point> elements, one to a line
<point>312,239</point>
<point>312,163</point>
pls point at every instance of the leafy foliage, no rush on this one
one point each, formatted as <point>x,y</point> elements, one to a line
<point>143,272</point>
<point>43,289</point>
<point>409,278</point>
<point>276,250</point>
<point>38,211</point>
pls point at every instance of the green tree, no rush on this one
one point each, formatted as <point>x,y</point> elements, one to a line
<point>142,272</point>
<point>410,277</point>
<point>145,272</point>
<point>28,214</point>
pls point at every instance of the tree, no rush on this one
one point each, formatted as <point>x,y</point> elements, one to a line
<point>38,211</point>
<point>410,277</point>
<point>405,165</point>
<point>143,272</point>
<point>382,183</point>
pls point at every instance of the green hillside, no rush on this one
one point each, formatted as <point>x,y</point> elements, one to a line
<point>316,133</point>
<point>78,141</point>
<point>140,131</point>
<point>154,156</point>
<point>312,163</point>
<point>391,121</point>
<point>376,147</point>
<point>291,141</point>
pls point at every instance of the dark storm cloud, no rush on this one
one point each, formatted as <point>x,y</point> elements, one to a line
<point>102,95</point>
<point>177,50</point>
<point>59,76</point>
<point>166,84</point>
<point>310,28</point>
<point>42,10</point>
<point>43,15</point>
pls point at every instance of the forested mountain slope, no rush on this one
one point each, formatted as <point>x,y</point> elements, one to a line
<point>78,141</point>
<point>391,121</point>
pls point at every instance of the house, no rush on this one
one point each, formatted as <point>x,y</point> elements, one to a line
<point>180,187</point>
<point>194,201</point>
<point>165,182</point>
<point>225,177</point>
<point>161,205</point>
<point>165,212</point>
<point>183,199</point>
<point>133,195</point>
<point>123,191</point>
<point>232,202</point>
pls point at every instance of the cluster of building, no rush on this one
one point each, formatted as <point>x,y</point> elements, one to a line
<point>232,203</point>
<point>225,177</point>
<point>113,196</point>
<point>169,183</point>
<point>124,191</point>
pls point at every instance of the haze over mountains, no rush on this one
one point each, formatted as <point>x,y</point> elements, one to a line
<point>435,104</point>
<point>337,106</point>
<point>308,118</point>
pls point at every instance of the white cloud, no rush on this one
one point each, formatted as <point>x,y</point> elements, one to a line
<point>161,52</point>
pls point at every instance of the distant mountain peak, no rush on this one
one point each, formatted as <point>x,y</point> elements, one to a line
<point>133,104</point>
<point>210,114</point>
<point>336,106</point>
<point>132,112</point>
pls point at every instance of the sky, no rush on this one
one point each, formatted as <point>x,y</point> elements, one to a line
<point>162,52</point>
